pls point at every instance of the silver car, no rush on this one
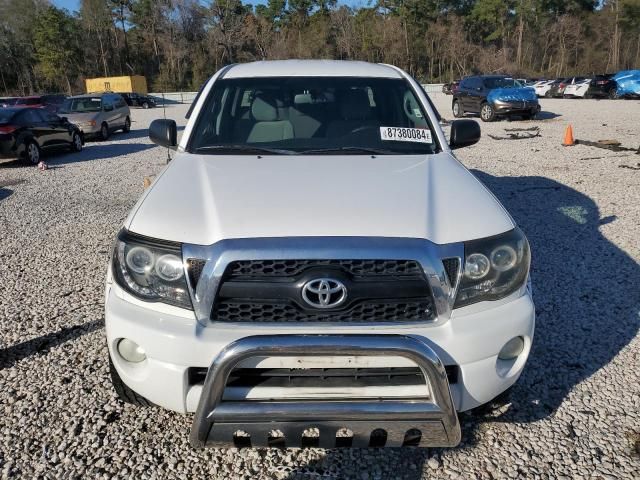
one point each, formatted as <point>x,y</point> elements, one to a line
<point>97,114</point>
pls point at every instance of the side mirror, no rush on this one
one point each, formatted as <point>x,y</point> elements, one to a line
<point>164,133</point>
<point>108,108</point>
<point>64,119</point>
<point>464,133</point>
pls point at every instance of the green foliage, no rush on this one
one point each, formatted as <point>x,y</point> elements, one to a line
<point>54,38</point>
<point>177,44</point>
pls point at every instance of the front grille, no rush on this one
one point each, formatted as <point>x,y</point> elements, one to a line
<point>252,377</point>
<point>229,311</point>
<point>271,291</point>
<point>451,268</point>
<point>290,268</point>
<point>195,267</point>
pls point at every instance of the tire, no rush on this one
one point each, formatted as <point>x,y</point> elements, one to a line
<point>457,109</point>
<point>32,153</point>
<point>613,93</point>
<point>125,393</point>
<point>547,94</point>
<point>104,131</point>
<point>127,125</point>
<point>145,105</point>
<point>487,113</point>
<point>76,142</point>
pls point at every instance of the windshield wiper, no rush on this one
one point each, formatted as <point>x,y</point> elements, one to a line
<point>243,148</point>
<point>363,150</point>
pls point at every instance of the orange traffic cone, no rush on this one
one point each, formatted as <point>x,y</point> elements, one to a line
<point>568,137</point>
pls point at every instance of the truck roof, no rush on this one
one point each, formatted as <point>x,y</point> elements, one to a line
<point>311,68</point>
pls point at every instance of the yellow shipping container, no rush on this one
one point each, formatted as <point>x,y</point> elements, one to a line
<point>135,83</point>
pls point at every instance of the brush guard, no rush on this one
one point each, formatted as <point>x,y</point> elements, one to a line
<point>429,422</point>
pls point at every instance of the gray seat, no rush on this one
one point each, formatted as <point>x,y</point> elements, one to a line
<point>355,112</point>
<point>269,126</point>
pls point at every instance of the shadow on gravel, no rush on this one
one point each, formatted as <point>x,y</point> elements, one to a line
<point>96,151</point>
<point>586,294</point>
<point>40,345</point>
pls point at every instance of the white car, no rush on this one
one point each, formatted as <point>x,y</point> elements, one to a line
<point>577,88</point>
<point>542,87</point>
<point>315,259</point>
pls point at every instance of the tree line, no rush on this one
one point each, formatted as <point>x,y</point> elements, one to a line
<point>178,44</point>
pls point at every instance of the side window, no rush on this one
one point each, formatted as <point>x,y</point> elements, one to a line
<point>29,117</point>
<point>48,116</point>
<point>107,101</point>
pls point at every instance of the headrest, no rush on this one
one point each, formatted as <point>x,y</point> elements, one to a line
<point>264,108</point>
<point>302,98</point>
<point>354,104</point>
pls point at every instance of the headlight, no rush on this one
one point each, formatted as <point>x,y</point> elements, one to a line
<point>494,268</point>
<point>151,270</point>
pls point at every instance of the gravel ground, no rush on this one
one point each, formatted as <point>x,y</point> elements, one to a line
<point>574,413</point>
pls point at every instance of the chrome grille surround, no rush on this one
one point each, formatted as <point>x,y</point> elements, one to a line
<point>219,255</point>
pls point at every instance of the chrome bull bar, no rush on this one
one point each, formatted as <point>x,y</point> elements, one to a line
<point>435,417</point>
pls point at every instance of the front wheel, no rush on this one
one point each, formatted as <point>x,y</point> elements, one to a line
<point>457,109</point>
<point>76,142</point>
<point>104,131</point>
<point>613,93</point>
<point>32,153</point>
<point>487,113</point>
<point>127,125</point>
<point>145,105</point>
<point>125,393</point>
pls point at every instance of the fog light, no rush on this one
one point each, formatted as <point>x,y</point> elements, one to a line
<point>511,349</point>
<point>131,351</point>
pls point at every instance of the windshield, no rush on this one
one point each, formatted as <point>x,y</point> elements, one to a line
<point>81,105</point>
<point>501,83</point>
<point>312,115</point>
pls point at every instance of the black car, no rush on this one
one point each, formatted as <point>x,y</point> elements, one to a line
<point>494,96</point>
<point>602,86</point>
<point>138,100</point>
<point>27,132</point>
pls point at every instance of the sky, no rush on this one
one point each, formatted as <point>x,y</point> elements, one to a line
<point>74,5</point>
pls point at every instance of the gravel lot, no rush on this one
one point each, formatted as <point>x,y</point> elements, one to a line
<point>574,414</point>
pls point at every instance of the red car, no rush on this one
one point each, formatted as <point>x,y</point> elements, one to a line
<point>48,102</point>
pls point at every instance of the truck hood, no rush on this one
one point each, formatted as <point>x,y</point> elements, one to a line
<point>201,199</point>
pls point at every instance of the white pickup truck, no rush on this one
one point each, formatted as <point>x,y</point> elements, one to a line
<point>315,267</point>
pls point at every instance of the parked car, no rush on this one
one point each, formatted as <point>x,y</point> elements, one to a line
<point>602,86</point>
<point>27,132</point>
<point>627,84</point>
<point>98,114</point>
<point>556,90</point>
<point>49,102</point>
<point>310,293</point>
<point>7,102</point>
<point>138,100</point>
<point>494,96</point>
<point>541,87</point>
<point>576,87</point>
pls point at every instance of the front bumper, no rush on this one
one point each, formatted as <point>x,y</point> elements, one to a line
<point>175,342</point>
<point>526,106</point>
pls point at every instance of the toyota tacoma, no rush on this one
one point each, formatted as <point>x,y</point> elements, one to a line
<point>315,267</point>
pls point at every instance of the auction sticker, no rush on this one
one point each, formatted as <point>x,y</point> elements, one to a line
<point>400,134</point>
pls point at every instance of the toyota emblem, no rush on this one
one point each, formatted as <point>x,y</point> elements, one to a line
<point>324,293</point>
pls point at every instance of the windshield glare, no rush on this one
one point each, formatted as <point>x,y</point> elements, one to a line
<point>314,115</point>
<point>81,105</point>
<point>501,83</point>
